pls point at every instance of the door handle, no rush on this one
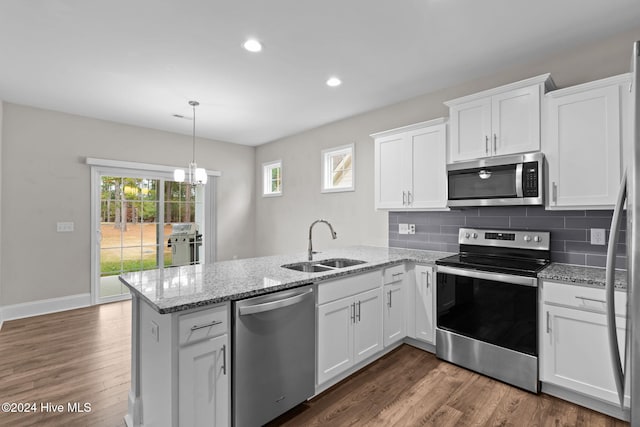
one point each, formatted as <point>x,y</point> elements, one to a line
<point>486,145</point>
<point>612,333</point>
<point>353,312</point>
<point>404,198</point>
<point>359,318</point>
<point>224,359</point>
<point>495,143</point>
<point>409,198</point>
<point>390,303</point>
<point>273,305</point>
<point>554,192</point>
<point>548,322</point>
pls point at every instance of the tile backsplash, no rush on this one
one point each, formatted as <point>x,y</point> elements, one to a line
<point>570,230</point>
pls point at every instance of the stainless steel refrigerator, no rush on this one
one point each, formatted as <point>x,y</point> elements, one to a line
<point>627,364</point>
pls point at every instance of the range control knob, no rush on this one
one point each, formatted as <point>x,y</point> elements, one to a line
<point>475,235</point>
<point>527,238</point>
<point>537,239</point>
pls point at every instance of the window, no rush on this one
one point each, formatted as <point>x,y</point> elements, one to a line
<point>272,178</point>
<point>338,169</point>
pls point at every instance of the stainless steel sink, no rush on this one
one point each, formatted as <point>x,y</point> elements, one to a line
<point>323,265</point>
<point>307,267</point>
<point>340,262</point>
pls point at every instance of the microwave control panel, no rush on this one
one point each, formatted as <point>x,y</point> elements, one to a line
<point>530,179</point>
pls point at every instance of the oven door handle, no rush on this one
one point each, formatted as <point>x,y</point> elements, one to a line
<point>496,277</point>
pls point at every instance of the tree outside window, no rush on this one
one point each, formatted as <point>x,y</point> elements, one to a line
<point>338,172</point>
<point>272,178</point>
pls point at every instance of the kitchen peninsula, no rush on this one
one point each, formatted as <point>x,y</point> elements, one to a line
<point>181,324</point>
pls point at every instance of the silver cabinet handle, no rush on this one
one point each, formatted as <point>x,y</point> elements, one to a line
<point>224,359</point>
<point>495,143</point>
<point>394,275</point>
<point>548,322</point>
<point>390,303</point>
<point>486,145</point>
<point>359,318</point>
<point>612,333</point>
<point>404,198</point>
<point>206,325</point>
<point>428,279</point>
<point>554,192</point>
<point>409,198</point>
<point>353,312</point>
<point>591,299</point>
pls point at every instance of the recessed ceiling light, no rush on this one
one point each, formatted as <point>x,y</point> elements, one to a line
<point>334,81</point>
<point>252,45</point>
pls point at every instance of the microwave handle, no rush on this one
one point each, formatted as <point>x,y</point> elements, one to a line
<point>519,168</point>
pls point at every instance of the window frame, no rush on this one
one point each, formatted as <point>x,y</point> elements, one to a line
<point>326,171</point>
<point>267,167</point>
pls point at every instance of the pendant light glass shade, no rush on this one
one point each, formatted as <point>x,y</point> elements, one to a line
<point>197,176</point>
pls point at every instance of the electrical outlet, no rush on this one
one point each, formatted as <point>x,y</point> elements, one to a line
<point>412,228</point>
<point>403,228</point>
<point>155,331</point>
<point>64,227</point>
<point>598,236</point>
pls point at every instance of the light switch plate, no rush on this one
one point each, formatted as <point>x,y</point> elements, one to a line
<point>403,228</point>
<point>64,227</point>
<point>155,331</point>
<point>598,236</point>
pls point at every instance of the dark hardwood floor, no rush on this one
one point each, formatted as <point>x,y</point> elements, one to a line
<point>83,356</point>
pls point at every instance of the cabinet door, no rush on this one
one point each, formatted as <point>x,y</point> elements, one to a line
<point>394,310</point>
<point>575,352</point>
<point>203,382</point>
<point>424,321</point>
<point>428,155</point>
<point>335,338</point>
<point>367,335</point>
<point>515,121</point>
<point>470,130</point>
<point>390,175</point>
<point>583,149</point>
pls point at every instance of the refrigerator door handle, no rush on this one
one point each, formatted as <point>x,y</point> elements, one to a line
<point>614,350</point>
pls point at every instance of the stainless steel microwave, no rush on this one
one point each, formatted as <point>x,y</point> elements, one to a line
<point>497,181</point>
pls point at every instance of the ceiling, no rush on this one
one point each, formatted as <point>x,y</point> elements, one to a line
<point>139,62</point>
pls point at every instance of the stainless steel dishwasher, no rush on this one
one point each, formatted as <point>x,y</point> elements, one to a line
<point>273,354</point>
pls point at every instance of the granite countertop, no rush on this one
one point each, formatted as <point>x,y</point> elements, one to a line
<point>182,288</point>
<point>581,275</point>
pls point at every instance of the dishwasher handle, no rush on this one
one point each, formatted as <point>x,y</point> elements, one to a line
<point>273,305</point>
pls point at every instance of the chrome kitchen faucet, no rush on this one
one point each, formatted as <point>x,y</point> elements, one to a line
<point>334,235</point>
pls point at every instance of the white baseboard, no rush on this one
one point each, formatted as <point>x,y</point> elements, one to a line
<point>45,306</point>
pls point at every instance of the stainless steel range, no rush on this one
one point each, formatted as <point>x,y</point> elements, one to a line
<point>487,304</point>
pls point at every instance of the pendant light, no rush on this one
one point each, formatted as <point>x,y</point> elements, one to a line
<point>197,176</point>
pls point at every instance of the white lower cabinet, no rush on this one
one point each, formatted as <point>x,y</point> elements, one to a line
<point>203,388</point>
<point>574,348</point>
<point>424,300</point>
<point>349,323</point>
<point>181,366</point>
<point>394,304</point>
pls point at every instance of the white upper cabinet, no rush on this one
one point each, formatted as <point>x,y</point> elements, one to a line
<point>496,122</point>
<point>585,127</point>
<point>410,167</point>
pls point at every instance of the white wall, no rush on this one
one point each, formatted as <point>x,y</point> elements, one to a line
<point>282,222</point>
<point>45,180</point>
<point>1,120</point>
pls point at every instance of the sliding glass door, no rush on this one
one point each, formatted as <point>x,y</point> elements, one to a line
<point>143,221</point>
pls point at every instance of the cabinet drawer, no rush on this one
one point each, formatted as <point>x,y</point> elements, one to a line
<point>350,285</point>
<point>394,274</point>
<point>582,297</point>
<point>202,324</point>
